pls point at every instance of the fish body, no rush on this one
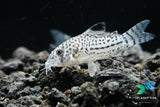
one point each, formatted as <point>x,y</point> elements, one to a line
<point>149,85</point>
<point>96,44</point>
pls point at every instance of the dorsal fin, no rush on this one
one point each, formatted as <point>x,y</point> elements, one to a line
<point>97,28</point>
<point>115,32</point>
<point>101,26</point>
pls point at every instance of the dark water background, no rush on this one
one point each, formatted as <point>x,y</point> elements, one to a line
<point>27,23</point>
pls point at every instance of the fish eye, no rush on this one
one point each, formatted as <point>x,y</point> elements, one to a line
<point>59,52</point>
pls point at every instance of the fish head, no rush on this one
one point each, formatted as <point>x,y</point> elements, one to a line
<point>63,56</point>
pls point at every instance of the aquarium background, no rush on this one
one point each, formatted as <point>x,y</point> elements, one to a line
<point>28,23</point>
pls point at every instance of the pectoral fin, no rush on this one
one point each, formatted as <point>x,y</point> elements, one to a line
<point>93,68</point>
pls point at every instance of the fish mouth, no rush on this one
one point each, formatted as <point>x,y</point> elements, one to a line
<point>48,67</point>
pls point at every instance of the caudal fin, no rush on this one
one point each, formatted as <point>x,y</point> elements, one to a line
<point>137,34</point>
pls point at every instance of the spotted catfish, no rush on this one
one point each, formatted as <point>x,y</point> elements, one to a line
<point>96,44</point>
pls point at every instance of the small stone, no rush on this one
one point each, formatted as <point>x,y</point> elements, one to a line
<point>68,93</point>
<point>35,105</point>
<point>139,67</point>
<point>88,97</point>
<point>134,77</point>
<point>135,54</point>
<point>14,87</point>
<point>46,88</point>
<point>109,73</point>
<point>111,85</point>
<point>12,65</point>
<point>22,52</point>
<point>29,79</point>
<point>56,95</point>
<point>153,62</point>
<point>29,100</point>
<point>11,105</point>
<point>28,69</point>
<point>35,89</point>
<point>88,87</point>
<point>155,75</point>
<point>2,74</point>
<point>25,77</point>
<point>23,92</point>
<point>60,105</point>
<point>75,90</point>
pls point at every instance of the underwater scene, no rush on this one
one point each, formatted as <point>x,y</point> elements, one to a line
<point>80,53</point>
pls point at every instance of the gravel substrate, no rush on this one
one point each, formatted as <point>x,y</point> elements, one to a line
<point>22,84</point>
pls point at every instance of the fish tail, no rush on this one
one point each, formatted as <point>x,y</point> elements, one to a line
<point>137,34</point>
